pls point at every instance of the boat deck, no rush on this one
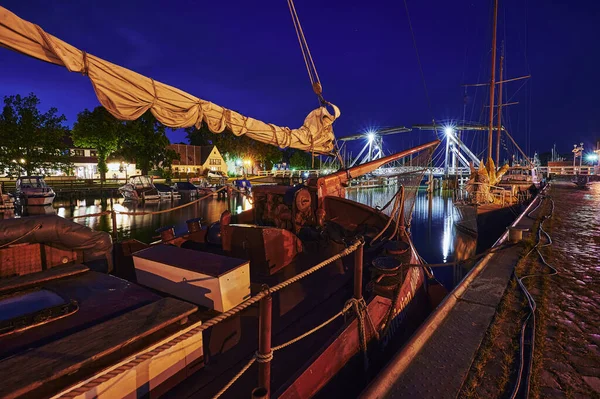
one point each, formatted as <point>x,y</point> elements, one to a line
<point>436,366</point>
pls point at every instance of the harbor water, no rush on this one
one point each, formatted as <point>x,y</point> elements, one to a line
<point>432,225</point>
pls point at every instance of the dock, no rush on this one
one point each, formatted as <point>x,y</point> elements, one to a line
<point>436,360</point>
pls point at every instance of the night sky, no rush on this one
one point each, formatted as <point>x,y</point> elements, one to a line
<point>244,55</point>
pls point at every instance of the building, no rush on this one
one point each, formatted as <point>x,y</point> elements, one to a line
<point>85,165</point>
<point>197,160</point>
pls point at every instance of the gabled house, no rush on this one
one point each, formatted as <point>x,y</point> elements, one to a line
<point>198,160</point>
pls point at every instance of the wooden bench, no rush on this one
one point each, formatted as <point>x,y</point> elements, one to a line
<point>30,370</point>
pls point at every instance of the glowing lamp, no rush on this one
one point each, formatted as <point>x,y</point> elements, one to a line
<point>591,157</point>
<point>370,136</point>
<point>448,130</point>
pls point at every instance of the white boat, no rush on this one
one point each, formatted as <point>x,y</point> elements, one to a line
<point>33,191</point>
<point>167,192</point>
<point>186,189</point>
<point>139,188</point>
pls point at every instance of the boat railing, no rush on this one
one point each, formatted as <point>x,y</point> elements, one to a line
<point>264,354</point>
<point>498,192</point>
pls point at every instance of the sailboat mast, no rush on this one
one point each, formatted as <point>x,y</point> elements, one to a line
<point>492,80</point>
<point>499,108</point>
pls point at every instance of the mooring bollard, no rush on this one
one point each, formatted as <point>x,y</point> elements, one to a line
<point>167,233</point>
<point>264,344</point>
<point>358,271</point>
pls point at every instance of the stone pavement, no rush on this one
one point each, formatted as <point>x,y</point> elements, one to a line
<point>571,354</point>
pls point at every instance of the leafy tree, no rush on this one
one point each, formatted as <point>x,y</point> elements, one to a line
<point>300,159</point>
<point>145,142</point>
<point>31,141</point>
<point>99,130</point>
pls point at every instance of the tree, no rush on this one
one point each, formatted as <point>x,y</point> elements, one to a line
<point>145,142</point>
<point>99,130</point>
<point>300,159</point>
<point>31,141</point>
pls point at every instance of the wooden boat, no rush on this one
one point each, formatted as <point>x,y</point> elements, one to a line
<point>33,191</point>
<point>152,332</point>
<point>288,232</point>
<point>139,188</point>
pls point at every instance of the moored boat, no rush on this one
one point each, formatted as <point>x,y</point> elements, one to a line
<point>33,191</point>
<point>167,192</point>
<point>307,243</point>
<point>139,188</point>
<point>186,189</point>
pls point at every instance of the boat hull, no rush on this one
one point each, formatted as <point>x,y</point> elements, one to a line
<point>38,200</point>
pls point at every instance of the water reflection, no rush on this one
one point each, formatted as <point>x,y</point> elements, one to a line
<point>432,229</point>
<point>432,224</point>
<point>143,226</point>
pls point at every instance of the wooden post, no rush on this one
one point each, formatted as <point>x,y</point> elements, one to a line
<point>113,217</point>
<point>264,343</point>
<point>358,272</point>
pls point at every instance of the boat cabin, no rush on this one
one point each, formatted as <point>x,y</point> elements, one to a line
<point>28,182</point>
<point>522,174</point>
<point>141,182</point>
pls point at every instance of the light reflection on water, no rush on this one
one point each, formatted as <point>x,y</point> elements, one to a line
<point>143,227</point>
<point>432,225</point>
<point>432,229</point>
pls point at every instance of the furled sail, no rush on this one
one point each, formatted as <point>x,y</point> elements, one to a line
<point>127,94</point>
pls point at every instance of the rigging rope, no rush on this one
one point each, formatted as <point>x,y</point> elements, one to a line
<point>412,33</point>
<point>313,75</point>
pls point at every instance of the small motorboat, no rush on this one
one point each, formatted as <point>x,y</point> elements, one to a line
<point>33,191</point>
<point>139,188</point>
<point>186,189</point>
<point>167,192</point>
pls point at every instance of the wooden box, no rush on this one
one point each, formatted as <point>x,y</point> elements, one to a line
<point>214,281</point>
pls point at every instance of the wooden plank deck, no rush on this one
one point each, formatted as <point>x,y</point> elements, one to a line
<point>21,282</point>
<point>30,370</point>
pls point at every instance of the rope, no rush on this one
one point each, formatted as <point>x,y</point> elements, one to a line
<point>34,228</point>
<point>412,33</point>
<point>90,215</point>
<point>236,377</point>
<point>250,301</point>
<point>313,75</point>
<point>358,305</point>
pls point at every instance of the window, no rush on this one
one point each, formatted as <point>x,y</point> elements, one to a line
<point>214,161</point>
<point>93,153</point>
<point>78,153</point>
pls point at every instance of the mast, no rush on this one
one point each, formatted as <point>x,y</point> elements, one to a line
<point>499,108</point>
<point>492,80</point>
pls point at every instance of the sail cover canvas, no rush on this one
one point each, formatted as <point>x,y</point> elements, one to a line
<point>127,95</point>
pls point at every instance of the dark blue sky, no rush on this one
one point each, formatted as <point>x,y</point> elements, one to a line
<point>244,55</point>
